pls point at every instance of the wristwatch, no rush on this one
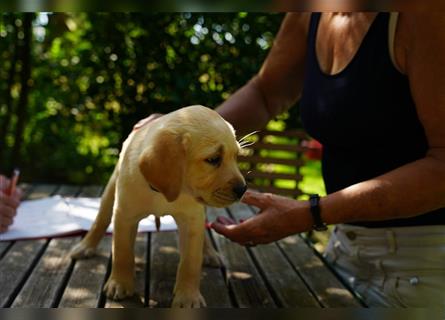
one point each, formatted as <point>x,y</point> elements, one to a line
<point>314,201</point>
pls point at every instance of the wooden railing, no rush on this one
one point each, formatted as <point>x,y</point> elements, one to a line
<point>272,161</point>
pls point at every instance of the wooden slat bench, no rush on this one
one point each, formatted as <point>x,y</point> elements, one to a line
<point>271,157</point>
<point>288,273</point>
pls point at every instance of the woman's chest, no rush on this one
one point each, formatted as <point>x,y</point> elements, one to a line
<point>340,36</point>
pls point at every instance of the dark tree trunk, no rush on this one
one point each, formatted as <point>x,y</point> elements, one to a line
<point>25,75</point>
<point>5,124</point>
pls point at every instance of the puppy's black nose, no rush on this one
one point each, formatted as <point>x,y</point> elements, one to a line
<point>239,190</point>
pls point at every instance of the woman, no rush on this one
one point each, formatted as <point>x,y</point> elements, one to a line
<point>372,91</point>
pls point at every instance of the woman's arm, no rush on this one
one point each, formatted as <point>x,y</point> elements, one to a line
<point>407,191</point>
<point>278,84</point>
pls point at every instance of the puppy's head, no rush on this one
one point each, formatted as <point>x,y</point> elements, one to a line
<point>195,152</point>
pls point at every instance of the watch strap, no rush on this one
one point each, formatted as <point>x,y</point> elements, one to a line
<point>314,201</point>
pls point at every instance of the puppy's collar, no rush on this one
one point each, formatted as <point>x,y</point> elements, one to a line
<point>153,188</point>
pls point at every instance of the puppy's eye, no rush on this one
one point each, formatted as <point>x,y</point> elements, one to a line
<point>214,161</point>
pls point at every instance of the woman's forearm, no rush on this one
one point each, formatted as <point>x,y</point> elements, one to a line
<point>410,190</point>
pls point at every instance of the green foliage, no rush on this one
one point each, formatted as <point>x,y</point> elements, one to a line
<point>94,75</point>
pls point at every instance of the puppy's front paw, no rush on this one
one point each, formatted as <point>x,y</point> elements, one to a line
<point>188,299</point>
<point>118,289</point>
<point>82,251</point>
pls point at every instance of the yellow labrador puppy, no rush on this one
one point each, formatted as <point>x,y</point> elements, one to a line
<point>175,164</point>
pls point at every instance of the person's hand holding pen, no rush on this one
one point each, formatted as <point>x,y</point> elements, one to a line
<point>9,200</point>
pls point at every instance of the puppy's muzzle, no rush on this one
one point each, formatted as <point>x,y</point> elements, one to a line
<point>239,190</point>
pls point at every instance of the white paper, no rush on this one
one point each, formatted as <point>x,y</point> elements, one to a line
<point>57,216</point>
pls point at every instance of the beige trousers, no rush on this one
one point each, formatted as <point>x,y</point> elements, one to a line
<point>394,267</point>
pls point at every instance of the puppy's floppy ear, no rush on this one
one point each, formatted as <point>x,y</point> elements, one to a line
<point>162,163</point>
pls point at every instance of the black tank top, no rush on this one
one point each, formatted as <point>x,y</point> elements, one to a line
<point>364,117</point>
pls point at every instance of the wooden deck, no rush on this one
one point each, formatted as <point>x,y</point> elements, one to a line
<point>288,273</point>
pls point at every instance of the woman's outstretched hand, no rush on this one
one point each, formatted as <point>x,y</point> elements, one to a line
<point>278,218</point>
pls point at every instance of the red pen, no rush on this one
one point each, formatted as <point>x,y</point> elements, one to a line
<point>14,180</point>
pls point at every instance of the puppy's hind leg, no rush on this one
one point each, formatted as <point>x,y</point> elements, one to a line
<point>86,248</point>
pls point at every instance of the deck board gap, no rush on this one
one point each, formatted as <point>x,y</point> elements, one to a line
<point>7,246</point>
<point>147,271</point>
<point>62,285</point>
<point>101,302</point>
<point>223,271</point>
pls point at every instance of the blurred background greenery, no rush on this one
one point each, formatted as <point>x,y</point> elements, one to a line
<point>72,85</point>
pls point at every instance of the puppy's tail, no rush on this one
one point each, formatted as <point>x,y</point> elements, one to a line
<point>87,246</point>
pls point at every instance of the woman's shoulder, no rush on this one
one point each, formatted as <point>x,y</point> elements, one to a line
<point>297,22</point>
<point>418,28</point>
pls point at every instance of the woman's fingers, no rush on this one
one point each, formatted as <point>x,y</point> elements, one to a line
<point>7,215</point>
<point>243,233</point>
<point>18,194</point>
<point>7,211</point>
<point>6,221</point>
<point>233,231</point>
<point>8,204</point>
<point>8,201</point>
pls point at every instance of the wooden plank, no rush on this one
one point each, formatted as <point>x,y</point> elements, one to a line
<point>68,190</point>
<point>281,191</point>
<point>138,300</point>
<point>163,266</point>
<point>92,191</point>
<point>255,173</point>
<point>164,259</point>
<point>22,256</point>
<point>85,285</point>
<point>42,191</point>
<point>276,146</point>
<point>286,133</point>
<point>270,160</point>
<point>323,283</point>
<point>15,267</point>
<point>287,287</point>
<point>84,288</point>
<point>245,281</point>
<point>47,279</point>
<point>46,283</point>
<point>289,290</point>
